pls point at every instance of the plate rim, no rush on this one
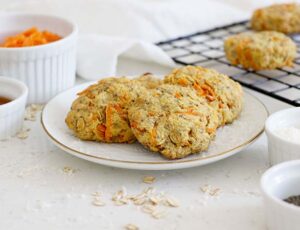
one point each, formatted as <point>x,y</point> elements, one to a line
<point>170,162</point>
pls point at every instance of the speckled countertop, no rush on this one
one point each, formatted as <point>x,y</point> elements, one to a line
<point>42,187</point>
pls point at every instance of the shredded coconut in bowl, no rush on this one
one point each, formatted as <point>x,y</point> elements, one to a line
<point>289,133</point>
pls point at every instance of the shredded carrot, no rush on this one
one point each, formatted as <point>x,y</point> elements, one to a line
<point>183,82</point>
<point>221,105</point>
<point>118,108</point>
<point>30,37</point>
<point>252,62</point>
<point>88,91</point>
<point>189,111</point>
<point>153,135</point>
<point>125,98</point>
<point>210,130</point>
<point>178,95</point>
<point>150,113</point>
<point>111,109</point>
<point>209,92</point>
<point>198,88</point>
<point>205,90</point>
<point>134,125</point>
<point>108,124</point>
<point>101,128</point>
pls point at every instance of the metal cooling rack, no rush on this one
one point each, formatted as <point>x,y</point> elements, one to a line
<point>206,49</point>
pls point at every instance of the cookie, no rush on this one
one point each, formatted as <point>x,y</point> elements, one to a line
<point>260,50</point>
<point>148,80</point>
<point>222,93</point>
<point>100,113</point>
<point>172,120</point>
<point>283,18</point>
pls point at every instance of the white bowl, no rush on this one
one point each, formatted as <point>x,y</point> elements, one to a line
<point>281,149</point>
<point>278,183</point>
<point>12,113</point>
<point>46,69</point>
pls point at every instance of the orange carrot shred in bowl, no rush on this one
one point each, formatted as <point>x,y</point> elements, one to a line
<point>30,37</point>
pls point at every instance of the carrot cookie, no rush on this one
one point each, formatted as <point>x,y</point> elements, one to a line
<point>148,80</point>
<point>172,120</point>
<point>222,93</point>
<point>100,111</point>
<point>284,18</point>
<point>260,50</point>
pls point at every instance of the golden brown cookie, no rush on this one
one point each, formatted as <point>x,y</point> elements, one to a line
<point>260,50</point>
<point>222,93</point>
<point>173,120</point>
<point>100,111</point>
<point>283,18</point>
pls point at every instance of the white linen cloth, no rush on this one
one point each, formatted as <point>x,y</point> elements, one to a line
<point>118,28</point>
<point>98,55</point>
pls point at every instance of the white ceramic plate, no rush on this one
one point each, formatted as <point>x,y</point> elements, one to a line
<point>229,140</point>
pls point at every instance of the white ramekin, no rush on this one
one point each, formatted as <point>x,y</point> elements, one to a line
<point>45,69</point>
<point>278,183</point>
<point>12,113</point>
<point>280,149</point>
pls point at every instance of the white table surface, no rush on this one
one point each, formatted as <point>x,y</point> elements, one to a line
<point>36,193</point>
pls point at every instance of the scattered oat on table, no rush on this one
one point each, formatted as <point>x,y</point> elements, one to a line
<point>149,179</point>
<point>98,203</point>
<point>210,190</point>
<point>120,197</point>
<point>172,202</point>
<point>31,111</point>
<point>68,170</point>
<point>24,133</point>
<point>149,200</point>
<point>148,208</point>
<point>96,194</point>
<point>97,200</point>
<point>131,227</point>
<point>158,214</point>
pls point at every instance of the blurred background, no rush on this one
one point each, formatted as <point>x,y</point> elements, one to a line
<point>151,20</point>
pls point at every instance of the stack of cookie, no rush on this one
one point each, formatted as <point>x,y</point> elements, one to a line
<point>268,47</point>
<point>176,116</point>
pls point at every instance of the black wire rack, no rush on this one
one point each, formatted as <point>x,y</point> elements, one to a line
<point>206,49</point>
